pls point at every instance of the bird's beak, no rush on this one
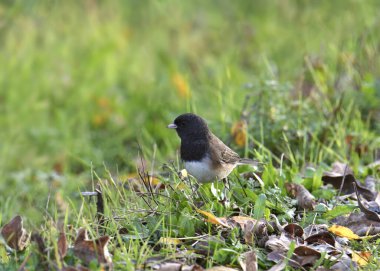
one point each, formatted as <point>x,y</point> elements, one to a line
<point>172,126</point>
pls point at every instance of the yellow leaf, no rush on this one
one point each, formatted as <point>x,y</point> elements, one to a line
<point>169,241</point>
<point>184,173</point>
<point>343,232</point>
<point>239,133</point>
<point>362,257</point>
<point>181,85</point>
<point>213,219</point>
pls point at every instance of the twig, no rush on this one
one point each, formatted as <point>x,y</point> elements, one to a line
<point>99,205</point>
<point>341,185</point>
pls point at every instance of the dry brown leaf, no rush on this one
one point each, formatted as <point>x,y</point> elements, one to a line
<point>344,263</point>
<point>329,249</point>
<point>306,251</point>
<point>15,235</point>
<point>315,228</point>
<point>305,255</point>
<point>221,268</point>
<point>278,243</point>
<point>320,237</point>
<point>304,198</point>
<point>278,266</point>
<point>256,232</point>
<point>168,266</point>
<point>213,219</point>
<point>194,267</point>
<point>88,250</point>
<point>250,261</point>
<point>370,183</point>
<point>371,215</point>
<point>294,230</point>
<point>242,220</point>
<point>341,177</point>
<point>343,232</point>
<point>62,244</point>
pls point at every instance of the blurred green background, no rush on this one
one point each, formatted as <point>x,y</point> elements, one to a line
<point>84,83</point>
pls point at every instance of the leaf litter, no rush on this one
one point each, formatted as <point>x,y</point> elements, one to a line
<point>270,238</point>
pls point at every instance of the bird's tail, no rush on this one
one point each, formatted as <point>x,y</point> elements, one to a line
<point>247,161</point>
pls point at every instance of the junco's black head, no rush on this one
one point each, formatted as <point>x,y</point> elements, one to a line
<point>190,126</point>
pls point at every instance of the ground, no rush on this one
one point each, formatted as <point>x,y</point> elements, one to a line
<point>87,90</point>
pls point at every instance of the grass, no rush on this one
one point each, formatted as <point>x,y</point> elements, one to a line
<point>88,88</point>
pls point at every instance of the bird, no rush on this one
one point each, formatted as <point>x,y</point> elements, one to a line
<point>205,156</point>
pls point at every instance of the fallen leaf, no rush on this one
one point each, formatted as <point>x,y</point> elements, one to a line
<point>256,232</point>
<point>362,258</point>
<point>305,255</point>
<point>375,165</point>
<point>315,229</point>
<point>276,255</point>
<point>305,199</point>
<point>344,263</point>
<point>221,268</point>
<point>239,133</point>
<point>359,224</point>
<point>370,183</point>
<point>371,215</point>
<point>306,251</point>
<point>251,261</point>
<point>341,177</point>
<point>278,243</point>
<point>294,230</point>
<point>62,244</point>
<point>15,235</point>
<point>88,250</point>
<point>343,232</point>
<point>321,237</point>
<point>278,266</point>
<point>330,250</point>
<point>213,219</point>
<point>169,241</point>
<point>168,266</point>
<point>241,220</point>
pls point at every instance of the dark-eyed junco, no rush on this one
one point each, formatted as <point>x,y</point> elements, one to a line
<point>206,157</point>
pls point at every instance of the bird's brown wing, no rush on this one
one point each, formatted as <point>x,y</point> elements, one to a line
<point>222,153</point>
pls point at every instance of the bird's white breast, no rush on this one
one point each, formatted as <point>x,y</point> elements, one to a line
<point>204,171</point>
